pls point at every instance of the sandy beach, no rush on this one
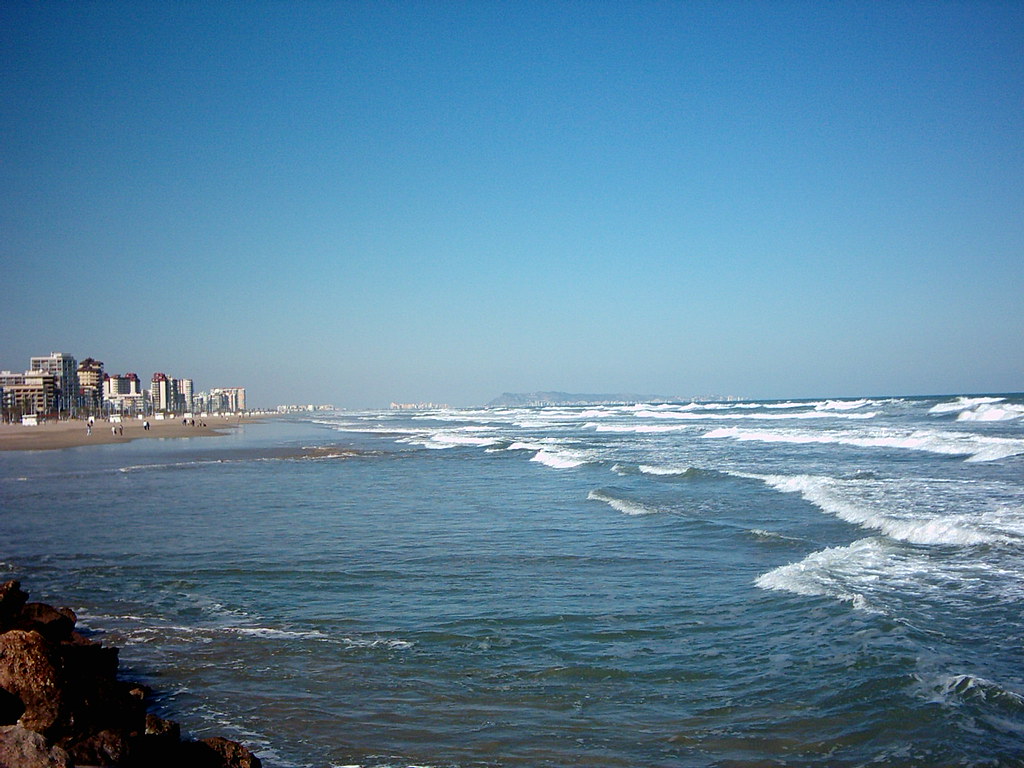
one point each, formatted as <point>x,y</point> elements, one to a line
<point>54,435</point>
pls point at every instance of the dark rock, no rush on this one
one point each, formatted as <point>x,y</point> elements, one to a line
<point>158,728</point>
<point>90,660</point>
<point>61,702</point>
<point>233,754</point>
<point>108,747</point>
<point>11,708</point>
<point>11,601</point>
<point>22,748</point>
<point>47,621</point>
<point>217,753</point>
<point>139,691</point>
<point>159,746</point>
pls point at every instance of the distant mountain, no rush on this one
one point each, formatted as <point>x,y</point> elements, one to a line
<point>514,399</point>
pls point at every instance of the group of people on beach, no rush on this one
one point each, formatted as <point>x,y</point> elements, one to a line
<point>117,430</point>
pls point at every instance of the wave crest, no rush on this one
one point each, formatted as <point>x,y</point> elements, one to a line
<point>619,504</point>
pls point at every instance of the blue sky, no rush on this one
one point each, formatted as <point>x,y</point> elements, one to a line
<point>364,202</point>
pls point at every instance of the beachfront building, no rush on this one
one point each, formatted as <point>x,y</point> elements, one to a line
<point>162,393</point>
<point>123,394</point>
<point>65,371</point>
<point>28,393</point>
<point>183,395</point>
<point>90,383</point>
<point>220,400</point>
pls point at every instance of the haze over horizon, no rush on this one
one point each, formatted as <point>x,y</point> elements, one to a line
<point>358,203</point>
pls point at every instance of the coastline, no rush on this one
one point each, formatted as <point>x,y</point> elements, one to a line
<point>63,702</point>
<point>56,435</point>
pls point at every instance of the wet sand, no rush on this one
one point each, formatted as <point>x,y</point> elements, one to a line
<point>54,435</point>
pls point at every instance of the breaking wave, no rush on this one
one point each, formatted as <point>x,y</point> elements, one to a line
<point>974,447</point>
<point>625,506</point>
<point>558,460</point>
<point>868,503</point>
<point>963,404</point>
<point>832,572</point>
<point>992,412</point>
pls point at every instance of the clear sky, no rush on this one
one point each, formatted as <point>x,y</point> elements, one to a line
<point>358,202</point>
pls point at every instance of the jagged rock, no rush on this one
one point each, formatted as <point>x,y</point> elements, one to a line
<point>108,747</point>
<point>22,748</point>
<point>89,657</point>
<point>11,601</point>
<point>29,670</point>
<point>158,728</point>
<point>46,620</point>
<point>217,753</point>
<point>61,702</point>
<point>160,745</point>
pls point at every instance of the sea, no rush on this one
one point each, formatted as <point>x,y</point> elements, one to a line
<point>764,583</point>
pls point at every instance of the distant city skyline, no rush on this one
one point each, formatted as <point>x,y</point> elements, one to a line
<point>59,383</point>
<point>362,204</point>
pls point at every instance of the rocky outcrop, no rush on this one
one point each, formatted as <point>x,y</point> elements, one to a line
<point>62,704</point>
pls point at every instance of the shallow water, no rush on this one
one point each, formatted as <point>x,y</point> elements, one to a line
<point>787,583</point>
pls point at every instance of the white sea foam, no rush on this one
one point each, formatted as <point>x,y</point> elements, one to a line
<point>833,572</point>
<point>963,686</point>
<point>637,429</point>
<point>272,633</point>
<point>649,469</point>
<point>974,447</point>
<point>558,459</point>
<point>449,439</point>
<point>788,416</point>
<point>371,430</point>
<point>173,465</point>
<point>521,446</point>
<point>841,405</point>
<point>879,504</point>
<point>377,642</point>
<point>625,506</point>
<point>990,412</point>
<point>963,403</point>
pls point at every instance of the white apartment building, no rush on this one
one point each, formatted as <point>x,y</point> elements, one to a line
<point>183,390</point>
<point>123,393</point>
<point>161,393</point>
<point>225,400</point>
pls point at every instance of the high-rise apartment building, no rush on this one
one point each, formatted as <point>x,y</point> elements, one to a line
<point>65,370</point>
<point>32,392</point>
<point>227,399</point>
<point>124,393</point>
<point>161,393</point>
<point>183,390</point>
<point>90,382</point>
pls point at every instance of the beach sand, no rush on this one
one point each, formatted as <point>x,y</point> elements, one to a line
<point>69,434</point>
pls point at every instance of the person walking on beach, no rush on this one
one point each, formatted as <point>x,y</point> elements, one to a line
<point>88,429</point>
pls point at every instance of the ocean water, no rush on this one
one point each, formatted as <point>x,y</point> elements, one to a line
<point>806,583</point>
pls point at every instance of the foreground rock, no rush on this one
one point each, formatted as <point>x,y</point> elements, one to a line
<point>62,706</point>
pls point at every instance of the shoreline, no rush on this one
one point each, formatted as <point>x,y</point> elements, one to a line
<point>57,435</point>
